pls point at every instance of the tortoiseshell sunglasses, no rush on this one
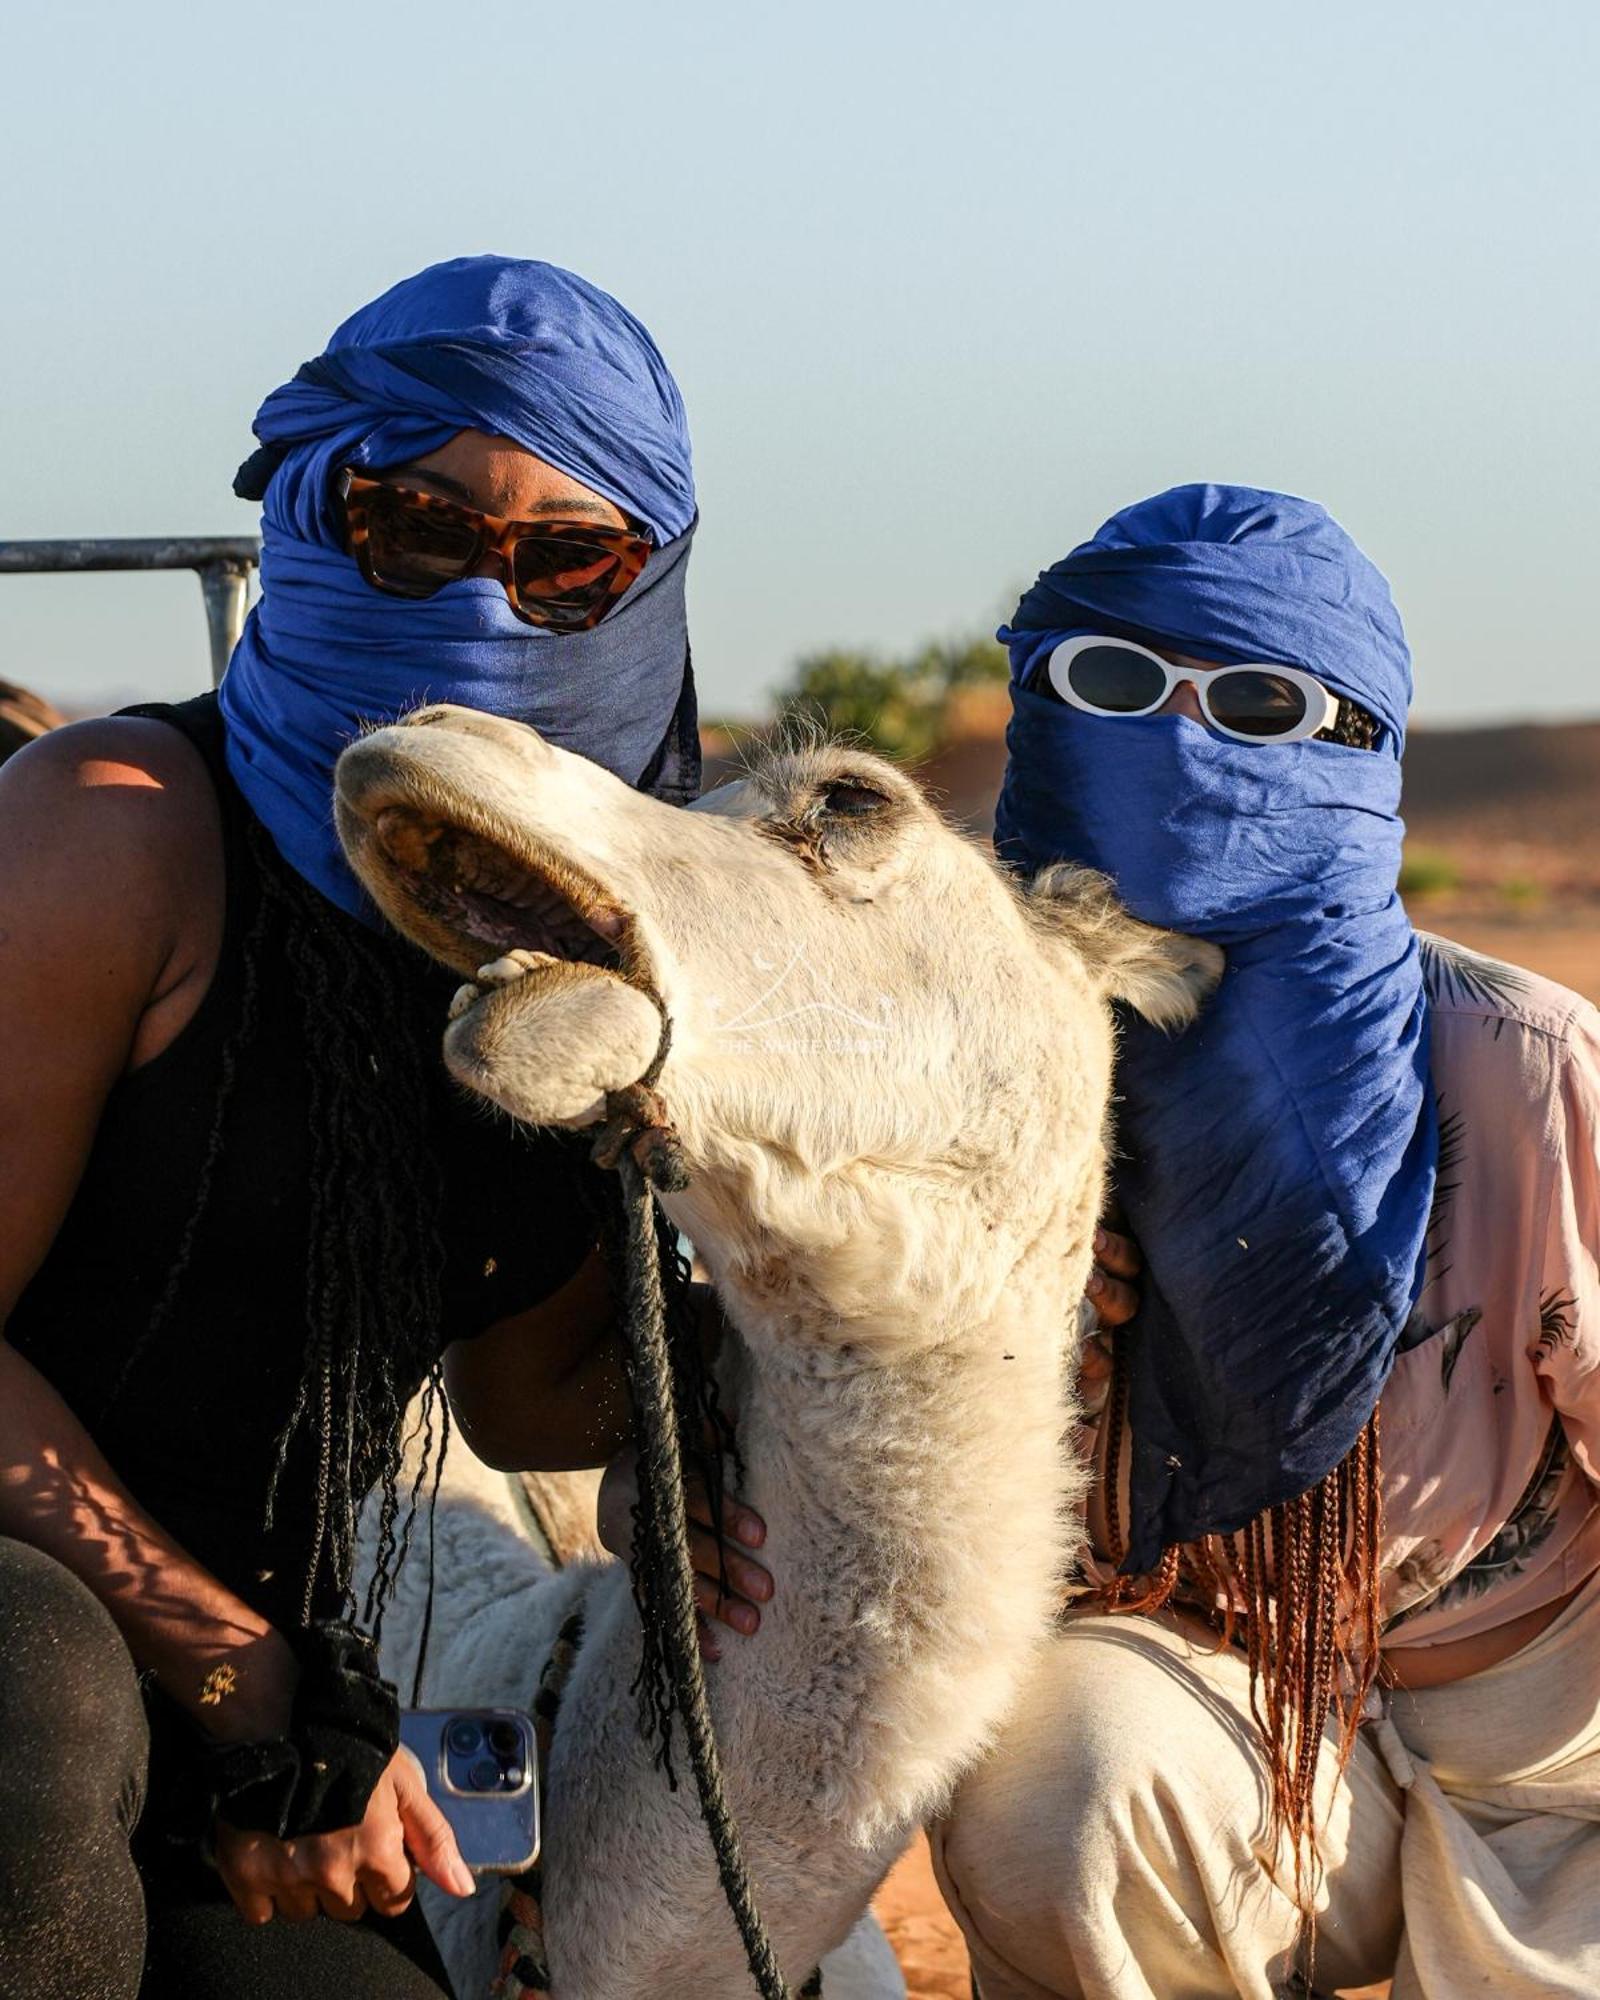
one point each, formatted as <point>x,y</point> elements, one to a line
<point>564,575</point>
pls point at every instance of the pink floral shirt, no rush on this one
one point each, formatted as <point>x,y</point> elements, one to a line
<point>1490,1422</point>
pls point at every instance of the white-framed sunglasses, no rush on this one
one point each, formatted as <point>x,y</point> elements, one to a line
<point>1255,703</point>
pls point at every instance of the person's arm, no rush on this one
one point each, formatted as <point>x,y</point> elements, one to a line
<point>216,1657</point>
<point>1565,1345</point>
<point>110,843</point>
<point>542,1390</point>
<point>103,840</point>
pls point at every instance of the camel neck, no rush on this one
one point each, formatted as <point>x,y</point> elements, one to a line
<point>914,1500</point>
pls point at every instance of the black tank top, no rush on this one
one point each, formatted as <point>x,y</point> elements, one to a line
<point>194,1431</point>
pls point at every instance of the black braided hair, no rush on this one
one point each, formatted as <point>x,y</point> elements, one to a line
<point>1353,726</point>
<point>375,1257</point>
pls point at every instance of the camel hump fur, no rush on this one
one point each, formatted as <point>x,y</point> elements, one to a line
<point>888,1074</point>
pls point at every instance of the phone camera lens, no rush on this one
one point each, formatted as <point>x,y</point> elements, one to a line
<point>484,1775</point>
<point>505,1739</point>
<point>463,1737</point>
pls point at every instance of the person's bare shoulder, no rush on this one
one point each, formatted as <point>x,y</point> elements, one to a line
<point>113,855</point>
<point>111,753</point>
<point>123,789</point>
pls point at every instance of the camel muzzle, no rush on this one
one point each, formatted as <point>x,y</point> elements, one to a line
<point>449,858</point>
<point>491,899</point>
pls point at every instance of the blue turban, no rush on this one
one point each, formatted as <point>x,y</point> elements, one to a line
<point>1277,1161</point>
<point>523,351</point>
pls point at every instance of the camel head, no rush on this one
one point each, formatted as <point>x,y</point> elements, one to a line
<point>879,1045</point>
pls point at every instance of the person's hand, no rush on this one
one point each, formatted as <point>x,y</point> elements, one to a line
<point>749,1585</point>
<point>1114,1296</point>
<point>1111,1289</point>
<point>358,1868</point>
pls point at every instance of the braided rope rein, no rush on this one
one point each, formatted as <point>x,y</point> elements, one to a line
<point>636,1141</point>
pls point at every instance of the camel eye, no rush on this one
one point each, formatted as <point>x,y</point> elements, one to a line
<point>850,799</point>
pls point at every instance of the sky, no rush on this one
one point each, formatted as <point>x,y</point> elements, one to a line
<point>943,286</point>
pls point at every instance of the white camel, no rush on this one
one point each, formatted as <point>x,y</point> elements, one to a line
<point>889,1072</point>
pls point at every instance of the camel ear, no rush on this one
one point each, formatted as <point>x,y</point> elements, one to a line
<point>1160,974</point>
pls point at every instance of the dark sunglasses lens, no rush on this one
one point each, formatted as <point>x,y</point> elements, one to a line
<point>562,580</point>
<point>1256,704</point>
<point>1115,679</point>
<point>416,548</point>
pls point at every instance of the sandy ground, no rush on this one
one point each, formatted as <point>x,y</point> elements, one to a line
<point>927,1943</point>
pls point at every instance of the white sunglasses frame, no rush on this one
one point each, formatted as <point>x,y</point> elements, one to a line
<point>1322,706</point>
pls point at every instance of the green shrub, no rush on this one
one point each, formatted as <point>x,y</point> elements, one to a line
<point>898,705</point>
<point>1426,872</point>
<point>1519,891</point>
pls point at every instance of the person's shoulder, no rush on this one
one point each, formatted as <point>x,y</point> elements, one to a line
<point>1507,1043</point>
<point>107,749</point>
<point>1463,984</point>
<point>110,807</point>
<point>111,764</point>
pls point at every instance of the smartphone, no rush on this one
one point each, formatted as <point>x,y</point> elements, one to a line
<point>483,1775</point>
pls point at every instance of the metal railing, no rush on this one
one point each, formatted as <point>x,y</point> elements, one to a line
<point>222,562</point>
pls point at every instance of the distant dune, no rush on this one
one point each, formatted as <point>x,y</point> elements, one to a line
<point>1531,791</point>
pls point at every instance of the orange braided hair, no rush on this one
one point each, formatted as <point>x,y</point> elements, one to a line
<point>1299,1586</point>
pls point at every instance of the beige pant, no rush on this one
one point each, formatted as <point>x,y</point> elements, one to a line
<point>1114,1846</point>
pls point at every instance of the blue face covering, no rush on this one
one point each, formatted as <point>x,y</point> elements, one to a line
<point>1276,1160</point>
<point>523,351</point>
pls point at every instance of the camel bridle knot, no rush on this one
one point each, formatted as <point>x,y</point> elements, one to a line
<point>636,1122</point>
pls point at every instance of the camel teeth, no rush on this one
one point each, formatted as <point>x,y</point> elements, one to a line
<point>462,999</point>
<point>513,966</point>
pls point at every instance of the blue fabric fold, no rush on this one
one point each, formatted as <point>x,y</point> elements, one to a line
<point>524,351</point>
<point>1277,1160</point>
